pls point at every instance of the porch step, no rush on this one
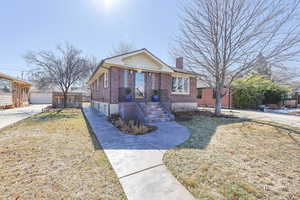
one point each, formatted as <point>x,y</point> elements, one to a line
<point>154,112</point>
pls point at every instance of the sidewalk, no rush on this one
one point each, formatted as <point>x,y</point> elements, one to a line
<point>137,160</point>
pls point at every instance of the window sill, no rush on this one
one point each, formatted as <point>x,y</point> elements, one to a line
<point>179,93</point>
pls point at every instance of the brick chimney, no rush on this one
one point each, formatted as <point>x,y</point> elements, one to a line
<point>179,63</point>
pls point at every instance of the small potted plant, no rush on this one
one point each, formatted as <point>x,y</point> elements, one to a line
<point>156,96</point>
<point>128,95</point>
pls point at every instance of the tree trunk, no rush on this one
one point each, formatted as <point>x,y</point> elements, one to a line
<point>65,99</point>
<point>218,102</point>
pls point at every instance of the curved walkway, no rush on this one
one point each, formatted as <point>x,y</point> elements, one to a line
<point>137,160</point>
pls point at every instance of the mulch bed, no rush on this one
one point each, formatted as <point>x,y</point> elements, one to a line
<point>131,127</point>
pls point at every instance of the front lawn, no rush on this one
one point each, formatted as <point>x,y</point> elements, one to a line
<point>227,158</point>
<point>54,156</point>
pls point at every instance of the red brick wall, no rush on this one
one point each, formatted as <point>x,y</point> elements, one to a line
<point>207,99</point>
<point>100,93</point>
<point>149,84</point>
<point>116,81</point>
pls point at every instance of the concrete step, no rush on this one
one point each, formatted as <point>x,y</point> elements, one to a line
<point>162,115</point>
<point>158,120</point>
<point>155,112</point>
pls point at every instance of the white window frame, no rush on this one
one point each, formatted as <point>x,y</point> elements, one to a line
<point>176,82</point>
<point>105,80</point>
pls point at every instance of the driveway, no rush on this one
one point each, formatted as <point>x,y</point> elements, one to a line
<point>258,115</point>
<point>137,160</point>
<point>11,116</point>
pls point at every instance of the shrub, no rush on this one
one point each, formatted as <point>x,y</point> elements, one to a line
<point>127,90</point>
<point>253,90</point>
<point>156,92</point>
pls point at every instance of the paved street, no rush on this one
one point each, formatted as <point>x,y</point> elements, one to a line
<point>11,116</point>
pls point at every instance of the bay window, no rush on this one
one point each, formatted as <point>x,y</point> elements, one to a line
<point>180,85</point>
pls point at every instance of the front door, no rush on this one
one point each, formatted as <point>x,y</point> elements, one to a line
<point>139,85</point>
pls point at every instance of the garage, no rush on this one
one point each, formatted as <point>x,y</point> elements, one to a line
<point>41,97</point>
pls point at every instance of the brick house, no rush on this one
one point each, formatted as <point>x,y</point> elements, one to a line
<point>206,97</point>
<point>125,85</point>
<point>13,92</point>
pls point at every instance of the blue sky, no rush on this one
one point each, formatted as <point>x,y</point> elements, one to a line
<point>93,26</point>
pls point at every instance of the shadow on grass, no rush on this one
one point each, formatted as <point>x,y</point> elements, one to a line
<point>53,115</point>
<point>282,127</point>
<point>202,125</point>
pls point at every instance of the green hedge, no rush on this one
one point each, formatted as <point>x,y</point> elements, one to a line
<point>254,90</point>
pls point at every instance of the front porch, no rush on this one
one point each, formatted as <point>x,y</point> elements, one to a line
<point>138,81</point>
<point>147,112</point>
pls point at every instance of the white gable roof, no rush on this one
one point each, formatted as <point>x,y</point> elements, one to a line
<point>141,60</point>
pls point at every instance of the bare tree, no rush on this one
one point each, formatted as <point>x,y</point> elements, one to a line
<point>63,68</point>
<point>122,47</point>
<point>222,38</point>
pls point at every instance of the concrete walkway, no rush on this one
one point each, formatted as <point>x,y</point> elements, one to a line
<point>290,120</point>
<point>11,116</point>
<point>137,160</point>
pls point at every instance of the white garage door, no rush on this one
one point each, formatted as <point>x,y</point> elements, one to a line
<point>40,98</point>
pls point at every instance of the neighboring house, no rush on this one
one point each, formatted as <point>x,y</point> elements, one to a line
<point>297,94</point>
<point>45,95</point>
<point>74,100</point>
<point>125,84</point>
<point>206,96</point>
<point>13,92</point>
<point>40,97</point>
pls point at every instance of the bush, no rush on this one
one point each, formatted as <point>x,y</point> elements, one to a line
<point>253,90</point>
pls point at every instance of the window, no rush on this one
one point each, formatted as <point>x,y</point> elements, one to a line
<point>5,86</point>
<point>199,93</point>
<point>105,80</point>
<point>180,85</point>
<point>126,78</point>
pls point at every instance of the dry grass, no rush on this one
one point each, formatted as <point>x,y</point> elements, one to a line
<point>53,156</point>
<point>234,159</point>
